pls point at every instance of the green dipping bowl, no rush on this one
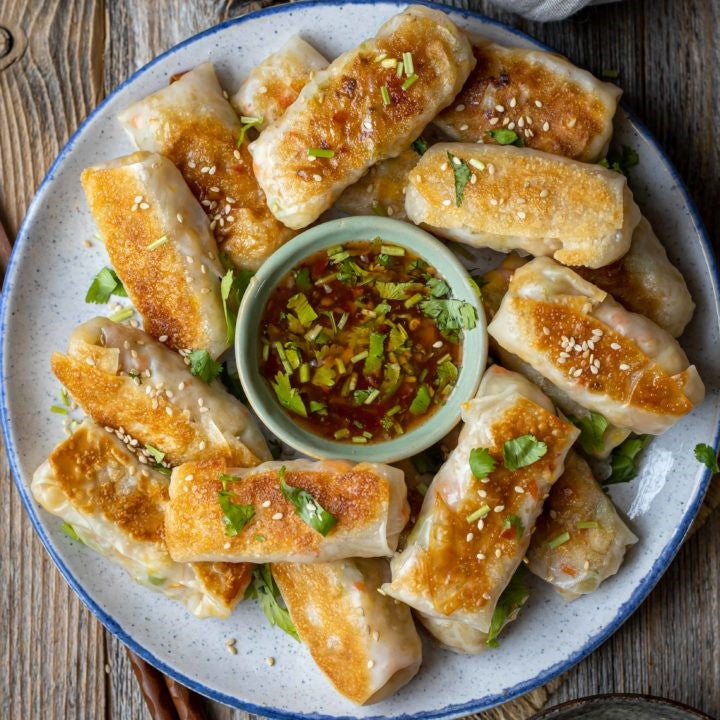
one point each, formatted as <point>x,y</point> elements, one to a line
<point>337,232</point>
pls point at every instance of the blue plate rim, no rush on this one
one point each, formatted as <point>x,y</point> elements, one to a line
<point>449,711</point>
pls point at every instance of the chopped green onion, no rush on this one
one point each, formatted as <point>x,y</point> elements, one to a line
<point>64,396</point>
<point>385,95</point>
<point>393,410</point>
<point>410,82</point>
<point>59,410</point>
<point>408,64</point>
<point>399,69</point>
<point>360,439</point>
<point>283,357</point>
<point>587,525</point>
<point>421,401</point>
<point>380,57</point>
<point>304,373</point>
<point>320,152</point>
<point>372,395</point>
<point>340,365</point>
<point>414,300</point>
<point>388,62</point>
<point>481,512</point>
<point>157,243</point>
<point>360,356</point>
<point>422,488</point>
<point>121,315</point>
<point>559,540</point>
<point>342,433</point>
<point>247,121</point>
<point>392,250</point>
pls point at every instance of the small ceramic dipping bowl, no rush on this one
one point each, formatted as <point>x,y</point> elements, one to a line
<point>621,707</point>
<point>336,232</point>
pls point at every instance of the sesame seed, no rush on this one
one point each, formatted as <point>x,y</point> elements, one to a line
<point>494,120</point>
<point>446,203</point>
<point>469,537</point>
<point>317,178</point>
<point>204,409</point>
<point>500,108</point>
<point>204,169</point>
<point>571,122</point>
<point>226,545</point>
<point>480,556</point>
<point>481,524</point>
<point>506,120</point>
<point>498,552</point>
<point>511,126</point>
<point>578,372</point>
<point>624,366</point>
<point>371,664</point>
<point>586,565</point>
<point>464,127</point>
<point>169,410</point>
<point>493,201</point>
<point>232,649</point>
<point>211,171</point>
<point>591,344</point>
<point>521,215</point>
<point>444,167</point>
<point>615,346</point>
<point>538,103</point>
<point>521,122</point>
<point>482,493</point>
<point>236,153</point>
<point>519,490</point>
<point>144,206</point>
<point>189,259</point>
<point>202,445</point>
<point>459,108</point>
<point>491,168</point>
<point>262,90</point>
<point>546,126</point>
<point>598,332</point>
<point>205,291</point>
<point>512,103</point>
<point>270,661</point>
<point>596,362</point>
<point>546,330</point>
<point>593,370</point>
<point>457,160</point>
<point>487,595</point>
<point>214,189</point>
<point>277,516</point>
<point>473,179</point>
<point>498,508</point>
<point>265,503</point>
<point>134,208</point>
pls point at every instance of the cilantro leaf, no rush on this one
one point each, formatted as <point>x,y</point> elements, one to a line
<point>203,366</point>
<point>318,407</point>
<point>305,314</point>
<point>450,315</point>
<point>324,376</point>
<point>311,512</point>
<point>105,284</point>
<point>397,338</point>
<point>288,396</point>
<point>235,516</point>
<point>232,288</point>
<point>447,374</point>
<point>302,279</point>
<point>481,462</point>
<point>373,362</point>
<point>522,451</point>
<point>420,146</point>
<point>513,597</point>
<point>462,176</point>
<point>592,431</point>
<point>394,291</point>
<point>264,589</point>
<point>707,456</point>
<point>503,136</point>
<point>628,158</point>
<point>438,287</point>
<point>157,455</point>
<point>421,401</point>
<point>514,521</point>
<point>625,458</point>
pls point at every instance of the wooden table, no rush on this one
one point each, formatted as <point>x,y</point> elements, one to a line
<point>56,660</point>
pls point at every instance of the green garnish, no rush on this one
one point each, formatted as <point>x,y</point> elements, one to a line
<point>389,63</point>
<point>105,284</point>
<point>522,451</point>
<point>420,146</point>
<point>707,456</point>
<point>385,95</point>
<point>155,244</point>
<point>625,459</point>
<point>421,401</point>
<point>247,121</point>
<point>374,360</point>
<point>321,152</point>
<point>69,530</point>
<point>392,250</point>
<point>318,407</point>
<point>559,540</point>
<point>398,69</point>
<point>203,366</point>
<point>481,512</point>
<point>232,288</point>
<point>408,63</point>
<point>462,176</point>
<point>59,410</point>
<point>410,82</point>
<point>450,315</point>
<point>324,376</point>
<point>305,314</point>
<point>481,462</point>
<point>438,287</point>
<point>288,396</point>
<point>342,433</point>
<point>513,597</point>
<point>503,136</point>
<point>157,455</point>
<point>394,291</point>
<point>64,397</point>
<point>235,515</point>
<point>121,315</point>
<point>447,374</point>
<point>516,522</point>
<point>264,589</point>
<point>311,512</point>
<point>592,432</point>
<point>627,159</point>
<point>259,538</point>
<point>302,279</point>
<point>155,580</point>
<point>587,525</point>
<point>610,74</point>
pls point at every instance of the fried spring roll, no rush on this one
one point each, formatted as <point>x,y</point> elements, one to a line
<point>151,224</point>
<point>523,199</point>
<point>125,380</point>
<point>274,84</point>
<point>548,102</point>
<point>116,506</point>
<point>359,111</point>
<point>368,502</point>
<point>364,642</point>
<point>597,538</point>
<point>605,358</point>
<point>191,123</point>
<point>472,533</point>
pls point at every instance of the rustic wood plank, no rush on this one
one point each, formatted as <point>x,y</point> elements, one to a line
<point>54,653</point>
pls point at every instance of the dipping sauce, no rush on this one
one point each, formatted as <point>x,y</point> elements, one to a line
<point>362,342</point>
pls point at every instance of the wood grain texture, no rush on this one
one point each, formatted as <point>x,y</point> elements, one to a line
<point>53,653</point>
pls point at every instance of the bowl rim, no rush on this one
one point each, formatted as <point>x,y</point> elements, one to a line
<point>652,700</point>
<point>299,248</point>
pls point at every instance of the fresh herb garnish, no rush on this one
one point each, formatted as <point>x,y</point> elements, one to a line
<point>394,291</point>
<point>592,431</point>
<point>481,462</point>
<point>587,525</point>
<point>420,146</point>
<point>157,455</point>
<point>410,82</point>
<point>450,315</point>
<point>706,455</point>
<point>438,287</point>
<point>503,136</point>
<point>421,401</point>
<point>247,121</point>
<point>478,514</point>
<point>264,589</point>
<point>155,244</point>
<point>105,284</point>
<point>232,288</point>
<point>514,521</point>
<point>462,176</point>
<point>69,530</point>
<point>321,152</point>
<point>385,93</point>
<point>625,459</point>
<point>235,515</point>
<point>304,312</point>
<point>559,540</point>
<point>203,366</point>
<point>311,512</point>
<point>447,374</point>
<point>302,279</point>
<point>522,451</point>
<point>288,396</point>
<point>374,360</point>
<point>513,597</point>
<point>627,159</point>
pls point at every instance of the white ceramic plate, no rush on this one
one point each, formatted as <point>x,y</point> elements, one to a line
<point>43,300</point>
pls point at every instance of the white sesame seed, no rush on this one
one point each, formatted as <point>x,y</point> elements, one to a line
<point>202,445</point>
<point>482,493</point>
<point>214,189</point>
<point>469,537</point>
<point>473,179</point>
<point>521,122</point>
<point>546,330</point>
<point>493,201</point>
<point>491,168</point>
<point>236,153</point>
<point>230,218</point>
<point>615,346</point>
<point>444,167</point>
<point>317,178</point>
<point>262,90</point>
<point>498,508</point>
<point>593,370</point>
<point>446,202</point>
<point>506,120</point>
<point>511,125</point>
<point>211,171</point>
<point>512,103</point>
<point>134,208</point>
<point>481,524</point>
<point>487,595</point>
<point>138,199</point>
<point>204,169</point>
<point>571,122</point>
<point>521,215</point>
<point>456,160</point>
<point>464,127</point>
<point>500,108</point>
<point>591,344</point>
<point>204,409</point>
<point>189,259</point>
<point>596,362</point>
<point>538,103</point>
<point>598,332</point>
<point>371,664</point>
<point>586,565</point>
<point>498,552</point>
<point>546,126</point>
<point>459,108</point>
<point>169,410</point>
<point>578,372</point>
<point>480,556</point>
<point>227,545</point>
<point>494,120</point>
<point>624,366</point>
<point>277,516</point>
<point>519,489</point>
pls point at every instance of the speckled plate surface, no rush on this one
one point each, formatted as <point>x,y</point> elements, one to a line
<point>43,300</point>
